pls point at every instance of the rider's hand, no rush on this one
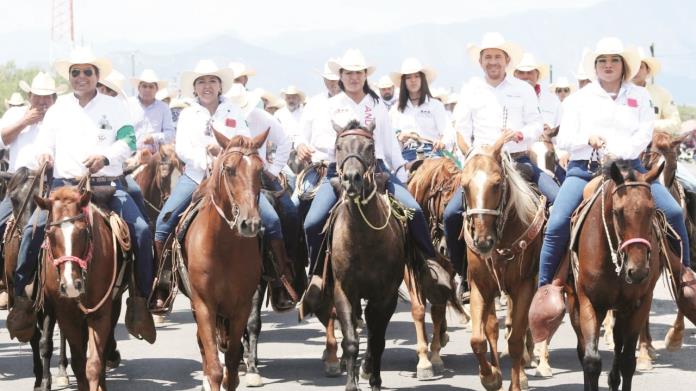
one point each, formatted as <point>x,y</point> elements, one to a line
<point>94,163</point>
<point>149,140</point>
<point>596,142</point>
<point>563,158</point>
<point>509,135</point>
<point>213,149</point>
<point>32,116</point>
<point>438,145</point>
<point>45,158</point>
<point>304,152</point>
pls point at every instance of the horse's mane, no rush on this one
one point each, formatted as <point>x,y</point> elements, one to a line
<point>435,173</point>
<point>522,196</point>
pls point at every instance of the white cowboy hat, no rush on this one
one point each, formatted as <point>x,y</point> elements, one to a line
<point>273,101</point>
<point>352,60</point>
<point>385,82</point>
<point>82,55</point>
<point>165,93</point>
<point>452,98</point>
<point>654,65</point>
<point>413,65</point>
<point>16,99</point>
<point>439,93</point>
<point>528,63</point>
<point>495,41</point>
<point>612,45</point>
<point>327,73</point>
<point>580,73</point>
<point>115,81</point>
<point>42,84</point>
<point>205,68</point>
<point>292,90</point>
<point>561,82</point>
<point>240,69</point>
<point>246,100</point>
<point>148,76</point>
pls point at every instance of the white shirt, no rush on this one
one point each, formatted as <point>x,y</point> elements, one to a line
<point>258,121</point>
<point>71,133</point>
<point>483,111</point>
<point>194,133</point>
<point>290,120</point>
<point>340,109</point>
<point>626,123</point>
<point>23,151</point>
<point>313,123</point>
<point>428,120</point>
<point>153,120</point>
<point>550,108</point>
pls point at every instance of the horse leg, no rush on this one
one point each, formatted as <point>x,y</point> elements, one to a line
<point>520,304</point>
<point>76,335</point>
<point>490,376</point>
<point>645,359</point>
<point>675,335</point>
<point>37,350</point>
<point>112,355</point>
<point>492,330</point>
<point>332,366</point>
<point>543,368</point>
<point>440,337</point>
<point>98,330</point>
<point>424,368</point>
<point>350,343</point>
<point>608,325</point>
<point>253,327</point>
<point>632,328</point>
<point>48,324</point>
<point>619,325</point>
<point>377,318</point>
<point>206,322</point>
<point>233,354</point>
<point>589,324</point>
<point>62,377</point>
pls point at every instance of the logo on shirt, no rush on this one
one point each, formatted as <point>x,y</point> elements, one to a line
<point>369,117</point>
<point>230,123</point>
<point>632,102</point>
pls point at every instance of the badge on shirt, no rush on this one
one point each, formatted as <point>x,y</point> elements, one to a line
<point>230,123</point>
<point>632,102</point>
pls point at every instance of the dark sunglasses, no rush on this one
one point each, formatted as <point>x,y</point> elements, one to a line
<point>87,72</point>
<point>562,90</point>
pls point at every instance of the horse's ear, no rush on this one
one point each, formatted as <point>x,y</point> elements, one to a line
<point>221,139</point>
<point>85,198</point>
<point>655,172</point>
<point>261,138</point>
<point>498,145</point>
<point>43,203</point>
<point>337,127</point>
<point>462,144</point>
<point>615,173</point>
<point>371,127</point>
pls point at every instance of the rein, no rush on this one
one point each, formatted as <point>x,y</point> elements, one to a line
<point>232,223</point>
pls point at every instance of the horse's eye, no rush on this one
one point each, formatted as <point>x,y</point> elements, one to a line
<point>230,171</point>
<point>338,147</point>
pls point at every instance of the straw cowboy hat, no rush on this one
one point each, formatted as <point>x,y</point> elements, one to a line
<point>528,63</point>
<point>496,41</point>
<point>385,82</point>
<point>82,55</point>
<point>440,93</point>
<point>115,81</point>
<point>612,45</point>
<point>654,65</point>
<point>352,60</point>
<point>16,99</point>
<point>413,65</point>
<point>271,99</point>
<point>292,90</point>
<point>205,68</point>
<point>148,76</point>
<point>452,98</point>
<point>327,73</point>
<point>165,93</point>
<point>240,69</point>
<point>561,82</point>
<point>42,84</point>
<point>246,100</point>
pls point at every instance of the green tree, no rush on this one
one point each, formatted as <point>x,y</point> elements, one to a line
<point>687,112</point>
<point>10,76</point>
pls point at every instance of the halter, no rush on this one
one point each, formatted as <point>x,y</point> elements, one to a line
<point>501,212</point>
<point>235,209</point>
<point>83,262</point>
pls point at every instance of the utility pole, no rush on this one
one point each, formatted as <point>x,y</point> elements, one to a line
<point>62,28</point>
<point>652,54</point>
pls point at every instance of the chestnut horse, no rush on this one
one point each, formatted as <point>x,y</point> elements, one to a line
<point>223,256</point>
<point>154,176</point>
<point>502,225</point>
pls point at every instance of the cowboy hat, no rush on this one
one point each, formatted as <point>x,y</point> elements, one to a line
<point>165,93</point>
<point>205,68</point>
<point>42,84</point>
<point>16,99</point>
<point>148,76</point>
<point>612,45</point>
<point>327,73</point>
<point>114,81</point>
<point>352,60</point>
<point>385,82</point>
<point>528,63</point>
<point>246,100</point>
<point>580,74</point>
<point>82,55</point>
<point>440,93</point>
<point>451,98</point>
<point>561,82</point>
<point>292,90</point>
<point>495,41</point>
<point>654,65</point>
<point>240,69</point>
<point>413,65</point>
<point>272,100</point>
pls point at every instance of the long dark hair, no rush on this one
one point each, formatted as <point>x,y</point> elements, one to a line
<point>403,93</point>
<point>366,87</point>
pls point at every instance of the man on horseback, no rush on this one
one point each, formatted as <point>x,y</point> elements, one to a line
<point>609,117</point>
<point>87,132</point>
<point>485,109</point>
<point>290,115</point>
<point>385,85</point>
<point>241,72</point>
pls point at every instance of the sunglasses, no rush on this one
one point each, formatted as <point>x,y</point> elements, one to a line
<point>87,72</point>
<point>562,90</point>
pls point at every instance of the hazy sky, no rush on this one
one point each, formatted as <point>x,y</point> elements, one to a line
<point>99,21</point>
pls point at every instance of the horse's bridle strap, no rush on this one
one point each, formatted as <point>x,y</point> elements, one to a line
<point>356,132</point>
<point>635,241</point>
<point>481,211</point>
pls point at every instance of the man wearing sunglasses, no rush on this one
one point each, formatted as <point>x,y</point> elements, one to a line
<point>87,132</point>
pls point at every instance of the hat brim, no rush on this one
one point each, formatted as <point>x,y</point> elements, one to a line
<point>654,66</point>
<point>543,70</point>
<point>113,86</point>
<point>62,67</point>
<point>225,75</point>
<point>630,56</point>
<point>513,51</point>
<point>430,75</point>
<point>160,83</point>
<point>336,68</point>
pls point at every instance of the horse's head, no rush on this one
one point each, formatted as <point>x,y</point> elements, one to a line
<point>485,194</point>
<point>355,157</point>
<point>168,161</point>
<point>632,212</point>
<point>236,183</point>
<point>69,237</point>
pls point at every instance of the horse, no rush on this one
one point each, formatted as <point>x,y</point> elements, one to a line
<point>543,154</point>
<point>154,176</point>
<point>21,189</point>
<point>222,254</point>
<point>504,218</point>
<point>78,276</point>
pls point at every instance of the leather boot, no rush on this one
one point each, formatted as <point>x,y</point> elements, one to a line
<point>436,281</point>
<point>139,320</point>
<point>158,292</point>
<point>21,321</point>
<point>310,301</point>
<point>687,299</point>
<point>283,296</point>
<point>547,311</point>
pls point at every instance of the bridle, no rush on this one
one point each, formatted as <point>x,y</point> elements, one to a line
<point>501,212</point>
<point>369,172</point>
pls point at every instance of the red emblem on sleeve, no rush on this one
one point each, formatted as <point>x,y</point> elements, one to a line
<point>230,123</point>
<point>632,102</point>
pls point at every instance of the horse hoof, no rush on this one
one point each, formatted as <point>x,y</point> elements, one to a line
<point>61,381</point>
<point>524,382</point>
<point>159,319</point>
<point>332,369</point>
<point>494,381</point>
<point>253,380</point>
<point>242,368</point>
<point>425,373</point>
<point>543,370</point>
<point>438,367</point>
<point>652,353</point>
<point>114,362</point>
<point>674,339</point>
<point>206,384</point>
<point>644,364</point>
<point>364,375</point>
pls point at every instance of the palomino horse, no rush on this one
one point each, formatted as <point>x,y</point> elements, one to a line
<point>78,276</point>
<point>154,176</point>
<point>223,256</point>
<point>502,226</point>
<point>21,189</point>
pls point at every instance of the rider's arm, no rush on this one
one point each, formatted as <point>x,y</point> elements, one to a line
<point>390,145</point>
<point>281,139</point>
<point>191,142</point>
<point>532,119</point>
<point>168,131</point>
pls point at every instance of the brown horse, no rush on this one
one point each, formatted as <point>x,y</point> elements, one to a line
<point>223,256</point>
<point>502,226</point>
<point>154,176</point>
<point>78,275</point>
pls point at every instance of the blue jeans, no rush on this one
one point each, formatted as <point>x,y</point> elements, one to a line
<point>686,178</point>
<point>137,196</point>
<point>546,184</point>
<point>5,213</point>
<point>177,202</point>
<point>120,203</point>
<point>557,233</point>
<point>270,219</point>
<point>411,153</point>
<point>326,198</point>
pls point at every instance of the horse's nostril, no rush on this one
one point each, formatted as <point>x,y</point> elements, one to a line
<point>78,285</point>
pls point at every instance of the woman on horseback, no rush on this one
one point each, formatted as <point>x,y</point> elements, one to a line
<point>611,117</point>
